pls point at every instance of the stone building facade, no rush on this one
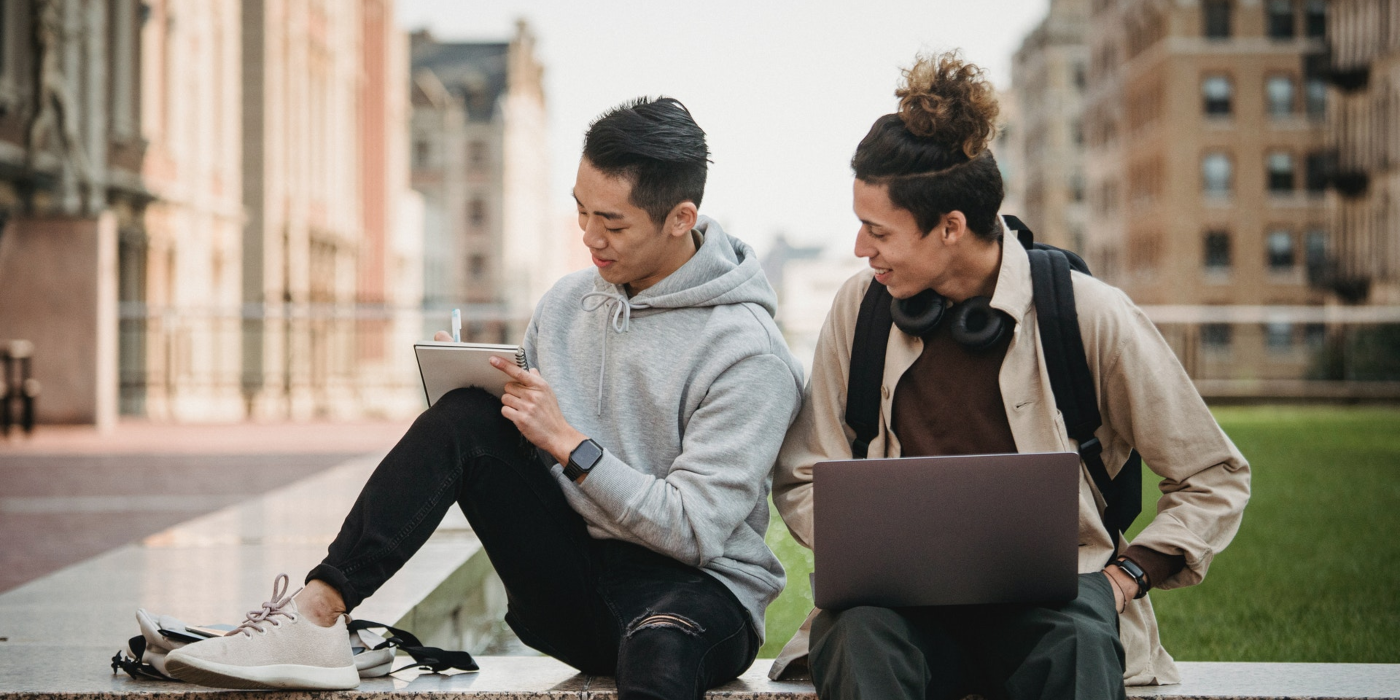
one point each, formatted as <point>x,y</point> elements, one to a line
<point>180,356</point>
<point>1049,75</point>
<point>389,289</point>
<point>330,231</point>
<point>71,188</point>
<point>1205,170</point>
<point>1363,135</point>
<point>480,161</point>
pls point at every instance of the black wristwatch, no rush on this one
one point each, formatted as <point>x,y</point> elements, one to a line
<point>1135,572</point>
<point>583,459</point>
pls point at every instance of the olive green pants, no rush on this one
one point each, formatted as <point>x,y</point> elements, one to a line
<point>1019,652</point>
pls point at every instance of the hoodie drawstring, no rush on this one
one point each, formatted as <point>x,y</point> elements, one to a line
<point>621,321</point>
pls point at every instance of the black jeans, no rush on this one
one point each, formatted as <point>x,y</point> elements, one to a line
<point>665,629</point>
<point>1016,652</point>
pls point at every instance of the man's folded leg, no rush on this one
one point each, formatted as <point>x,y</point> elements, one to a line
<point>683,632</point>
<point>461,450</point>
<point>870,652</point>
<point>1045,652</point>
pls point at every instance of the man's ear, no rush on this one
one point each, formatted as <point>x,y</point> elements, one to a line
<point>682,219</point>
<point>953,227</point>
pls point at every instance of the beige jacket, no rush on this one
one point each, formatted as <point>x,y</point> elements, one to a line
<point>1145,397</point>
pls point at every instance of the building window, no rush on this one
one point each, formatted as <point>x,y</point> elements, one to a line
<point>1076,187</point>
<point>1081,78</point>
<point>476,155</point>
<point>1280,172</point>
<point>476,213</point>
<point>1280,251</point>
<point>1315,250</point>
<point>1315,73</point>
<point>1215,336</point>
<point>1279,91</point>
<point>1317,97</point>
<point>1278,336</point>
<point>477,266</point>
<point>1215,18</point>
<point>1315,18</point>
<point>1315,175</point>
<point>1217,251</point>
<point>420,154</point>
<point>1215,91</point>
<point>1314,335</point>
<point>1216,175</point>
<point>1281,19</point>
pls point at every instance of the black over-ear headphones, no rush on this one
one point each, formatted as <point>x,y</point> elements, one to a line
<point>976,325</point>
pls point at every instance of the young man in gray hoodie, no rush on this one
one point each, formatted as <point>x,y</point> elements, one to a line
<point>663,388</point>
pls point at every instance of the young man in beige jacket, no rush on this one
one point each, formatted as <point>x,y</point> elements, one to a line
<point>927,193</point>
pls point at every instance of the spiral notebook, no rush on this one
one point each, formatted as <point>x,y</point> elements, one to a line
<point>445,366</point>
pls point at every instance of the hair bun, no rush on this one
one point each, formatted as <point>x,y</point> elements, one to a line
<point>948,100</point>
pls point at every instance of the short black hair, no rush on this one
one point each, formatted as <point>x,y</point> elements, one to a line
<point>657,146</point>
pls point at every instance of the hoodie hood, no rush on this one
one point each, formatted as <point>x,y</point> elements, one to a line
<point>723,271</point>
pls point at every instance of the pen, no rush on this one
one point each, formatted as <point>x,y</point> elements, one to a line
<point>456,325</point>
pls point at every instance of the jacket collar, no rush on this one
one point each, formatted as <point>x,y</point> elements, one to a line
<point>1013,293</point>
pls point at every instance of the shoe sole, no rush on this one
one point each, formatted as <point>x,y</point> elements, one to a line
<point>270,677</point>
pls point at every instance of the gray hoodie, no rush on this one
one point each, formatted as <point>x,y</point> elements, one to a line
<point>689,388</point>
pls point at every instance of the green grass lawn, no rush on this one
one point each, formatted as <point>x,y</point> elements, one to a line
<point>1314,573</point>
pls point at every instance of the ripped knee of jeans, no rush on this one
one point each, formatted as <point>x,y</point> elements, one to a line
<point>661,620</point>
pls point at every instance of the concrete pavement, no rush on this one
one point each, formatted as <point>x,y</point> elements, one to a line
<point>70,493</point>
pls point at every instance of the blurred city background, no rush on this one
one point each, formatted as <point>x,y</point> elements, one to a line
<point>223,211</point>
<point>241,214</point>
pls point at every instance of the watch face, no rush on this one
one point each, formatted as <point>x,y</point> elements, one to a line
<point>586,454</point>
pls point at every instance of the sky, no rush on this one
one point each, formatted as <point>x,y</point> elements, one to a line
<point>784,89</point>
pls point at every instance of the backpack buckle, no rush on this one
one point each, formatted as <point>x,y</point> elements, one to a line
<point>1090,448</point>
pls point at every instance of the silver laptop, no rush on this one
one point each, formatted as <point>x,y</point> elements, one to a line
<point>963,530</point>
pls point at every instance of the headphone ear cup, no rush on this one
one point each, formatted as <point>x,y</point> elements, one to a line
<point>920,314</point>
<point>978,326</point>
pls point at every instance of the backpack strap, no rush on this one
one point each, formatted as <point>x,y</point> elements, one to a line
<point>1022,231</point>
<point>1074,388</point>
<point>432,658</point>
<point>867,369</point>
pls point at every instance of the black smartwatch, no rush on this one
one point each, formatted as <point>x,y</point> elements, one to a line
<point>1134,572</point>
<point>583,459</point>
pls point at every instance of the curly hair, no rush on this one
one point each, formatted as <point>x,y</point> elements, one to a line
<point>948,101</point>
<point>933,153</point>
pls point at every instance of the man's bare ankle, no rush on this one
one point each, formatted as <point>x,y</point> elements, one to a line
<point>321,603</point>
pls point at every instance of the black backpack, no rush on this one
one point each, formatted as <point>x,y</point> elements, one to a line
<point>1070,379</point>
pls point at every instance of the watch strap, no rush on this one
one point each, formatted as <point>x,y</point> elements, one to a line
<point>1135,572</point>
<point>573,470</point>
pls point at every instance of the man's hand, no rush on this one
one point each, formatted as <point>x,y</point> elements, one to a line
<point>442,337</point>
<point>530,404</point>
<point>1124,587</point>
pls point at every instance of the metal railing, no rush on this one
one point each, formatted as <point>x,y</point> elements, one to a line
<point>289,360</point>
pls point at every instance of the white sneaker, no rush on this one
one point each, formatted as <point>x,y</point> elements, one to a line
<point>275,647</point>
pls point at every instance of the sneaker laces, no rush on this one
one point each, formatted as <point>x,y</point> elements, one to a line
<point>271,608</point>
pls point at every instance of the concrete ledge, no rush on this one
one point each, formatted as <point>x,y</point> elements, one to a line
<point>41,672</point>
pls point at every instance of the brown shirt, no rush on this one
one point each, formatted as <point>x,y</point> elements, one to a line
<point>949,402</point>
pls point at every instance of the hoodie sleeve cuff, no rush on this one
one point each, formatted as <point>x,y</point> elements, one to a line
<point>610,484</point>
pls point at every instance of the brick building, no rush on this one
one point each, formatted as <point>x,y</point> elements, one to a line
<point>1205,170</point>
